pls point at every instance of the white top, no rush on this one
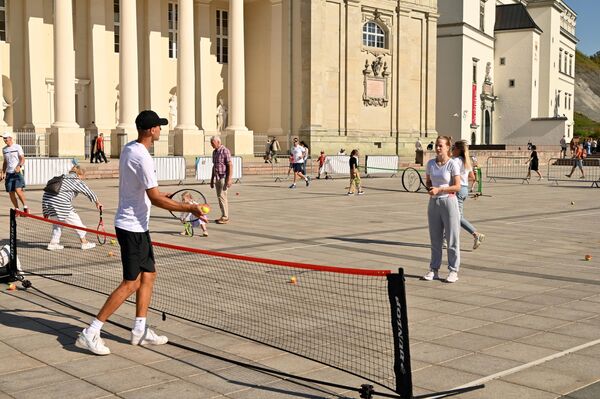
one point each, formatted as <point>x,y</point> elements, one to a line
<point>136,175</point>
<point>441,175</point>
<point>298,153</point>
<point>11,156</point>
<point>464,172</point>
<point>418,145</point>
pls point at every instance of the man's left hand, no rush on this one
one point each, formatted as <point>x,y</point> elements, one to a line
<point>228,183</point>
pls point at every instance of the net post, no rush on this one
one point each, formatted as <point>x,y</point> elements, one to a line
<point>402,369</point>
<point>12,264</point>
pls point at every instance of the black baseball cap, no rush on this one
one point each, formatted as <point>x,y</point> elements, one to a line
<point>148,119</point>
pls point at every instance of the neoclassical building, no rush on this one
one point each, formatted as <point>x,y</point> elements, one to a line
<point>506,70</point>
<point>336,73</point>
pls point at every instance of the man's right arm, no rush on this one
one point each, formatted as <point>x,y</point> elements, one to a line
<point>160,200</point>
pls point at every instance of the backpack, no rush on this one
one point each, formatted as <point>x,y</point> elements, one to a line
<point>53,186</point>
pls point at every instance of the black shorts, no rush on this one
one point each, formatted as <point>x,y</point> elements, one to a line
<point>298,167</point>
<point>136,253</point>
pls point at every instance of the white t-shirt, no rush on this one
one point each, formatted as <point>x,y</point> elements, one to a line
<point>464,172</point>
<point>441,175</point>
<point>136,175</point>
<point>11,156</point>
<point>298,153</point>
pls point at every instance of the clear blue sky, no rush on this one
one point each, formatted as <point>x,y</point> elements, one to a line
<point>588,19</point>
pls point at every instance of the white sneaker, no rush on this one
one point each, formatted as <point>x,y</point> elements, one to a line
<point>93,343</point>
<point>54,247</point>
<point>452,277</point>
<point>88,245</point>
<point>431,275</point>
<point>444,244</point>
<point>148,337</point>
<point>478,240</point>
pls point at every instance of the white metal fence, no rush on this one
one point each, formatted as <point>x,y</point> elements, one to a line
<point>34,144</point>
<point>381,165</point>
<point>337,165</point>
<point>170,168</point>
<point>204,167</point>
<point>40,170</point>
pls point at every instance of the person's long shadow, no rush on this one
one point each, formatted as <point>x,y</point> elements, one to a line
<point>382,242</point>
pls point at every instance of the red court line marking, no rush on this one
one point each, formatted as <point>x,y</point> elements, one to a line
<point>332,269</point>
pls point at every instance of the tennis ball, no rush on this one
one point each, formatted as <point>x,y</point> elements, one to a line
<point>237,193</point>
<point>588,257</point>
<point>12,287</point>
<point>113,242</point>
<point>111,254</point>
<point>293,280</point>
<point>572,203</point>
<point>205,209</point>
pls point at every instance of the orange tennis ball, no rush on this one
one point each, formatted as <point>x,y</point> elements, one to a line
<point>588,257</point>
<point>205,209</point>
<point>12,287</point>
<point>237,193</point>
<point>111,254</point>
<point>293,280</point>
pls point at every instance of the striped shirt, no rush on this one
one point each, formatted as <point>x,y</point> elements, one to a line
<point>61,205</point>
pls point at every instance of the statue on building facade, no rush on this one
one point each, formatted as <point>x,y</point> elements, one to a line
<point>117,110</point>
<point>488,73</point>
<point>173,111</point>
<point>221,116</point>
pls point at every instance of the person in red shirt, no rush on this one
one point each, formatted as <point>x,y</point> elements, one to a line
<point>321,160</point>
<point>100,149</point>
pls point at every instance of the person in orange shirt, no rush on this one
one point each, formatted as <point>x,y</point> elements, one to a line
<point>578,161</point>
<point>100,149</point>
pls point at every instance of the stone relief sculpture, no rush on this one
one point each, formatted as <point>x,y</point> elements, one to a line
<point>221,116</point>
<point>173,111</point>
<point>117,111</point>
<point>375,83</point>
<point>488,73</point>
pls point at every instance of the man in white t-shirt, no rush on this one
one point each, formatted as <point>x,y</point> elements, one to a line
<point>14,159</point>
<point>138,190</point>
<point>299,154</point>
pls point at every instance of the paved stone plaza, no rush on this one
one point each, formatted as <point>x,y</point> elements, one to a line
<point>524,317</point>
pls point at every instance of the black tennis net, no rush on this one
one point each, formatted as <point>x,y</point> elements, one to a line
<point>350,319</point>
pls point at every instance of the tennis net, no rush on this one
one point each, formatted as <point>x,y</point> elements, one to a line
<point>350,319</point>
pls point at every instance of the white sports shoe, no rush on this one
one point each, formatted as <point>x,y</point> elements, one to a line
<point>88,245</point>
<point>452,277</point>
<point>431,275</point>
<point>93,343</point>
<point>478,240</point>
<point>55,247</point>
<point>148,337</point>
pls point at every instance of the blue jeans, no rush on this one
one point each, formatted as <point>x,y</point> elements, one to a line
<point>462,196</point>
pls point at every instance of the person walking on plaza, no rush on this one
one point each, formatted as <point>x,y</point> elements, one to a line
<point>354,174</point>
<point>460,155</point>
<point>563,146</point>
<point>578,158</point>
<point>533,163</point>
<point>100,156</point>
<point>321,161</point>
<point>220,178</point>
<point>59,206</point>
<point>275,148</point>
<point>267,155</point>
<point>442,178</point>
<point>12,171</point>
<point>306,154</point>
<point>298,153</point>
<point>138,190</point>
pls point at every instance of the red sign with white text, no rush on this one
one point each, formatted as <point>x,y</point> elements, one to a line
<point>474,105</point>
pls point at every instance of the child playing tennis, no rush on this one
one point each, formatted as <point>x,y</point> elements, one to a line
<point>188,217</point>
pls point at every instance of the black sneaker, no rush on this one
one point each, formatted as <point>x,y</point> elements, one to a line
<point>307,181</point>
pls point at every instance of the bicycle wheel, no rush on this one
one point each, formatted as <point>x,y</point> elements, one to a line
<point>411,180</point>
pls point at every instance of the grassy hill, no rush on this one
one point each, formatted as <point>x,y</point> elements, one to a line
<point>587,95</point>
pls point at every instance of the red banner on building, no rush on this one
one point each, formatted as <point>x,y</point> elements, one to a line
<point>474,106</point>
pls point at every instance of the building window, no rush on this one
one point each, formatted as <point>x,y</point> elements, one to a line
<point>560,60</point>
<point>222,36</point>
<point>482,15</point>
<point>173,24</point>
<point>565,64</point>
<point>566,99</point>
<point>571,65</point>
<point>373,35</point>
<point>502,61</point>
<point>3,20</point>
<point>117,24</point>
<point>511,83</point>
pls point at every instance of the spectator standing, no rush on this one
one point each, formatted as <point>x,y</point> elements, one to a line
<point>93,138</point>
<point>100,156</point>
<point>442,178</point>
<point>221,176</point>
<point>430,146</point>
<point>533,163</point>
<point>594,145</point>
<point>275,148</point>
<point>588,145</point>
<point>563,146</point>
<point>419,152</point>
<point>268,151</point>
<point>354,174</point>
<point>12,171</point>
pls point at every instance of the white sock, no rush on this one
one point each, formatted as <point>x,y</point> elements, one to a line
<point>95,327</point>
<point>140,324</point>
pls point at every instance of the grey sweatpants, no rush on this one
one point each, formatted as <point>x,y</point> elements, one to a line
<point>444,216</point>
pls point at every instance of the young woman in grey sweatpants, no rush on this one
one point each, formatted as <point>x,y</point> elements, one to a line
<point>443,182</point>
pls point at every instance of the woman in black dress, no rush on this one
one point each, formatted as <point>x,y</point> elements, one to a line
<point>533,163</point>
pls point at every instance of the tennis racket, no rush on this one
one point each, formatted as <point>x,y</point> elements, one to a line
<point>191,196</point>
<point>100,230</point>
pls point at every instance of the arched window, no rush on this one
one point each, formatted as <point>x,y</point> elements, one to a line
<point>373,35</point>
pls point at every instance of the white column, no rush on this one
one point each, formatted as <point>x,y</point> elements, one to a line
<point>128,66</point>
<point>237,81</point>
<point>186,85</point>
<point>64,65</point>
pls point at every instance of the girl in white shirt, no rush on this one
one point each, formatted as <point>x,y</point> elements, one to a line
<point>443,182</point>
<point>460,154</point>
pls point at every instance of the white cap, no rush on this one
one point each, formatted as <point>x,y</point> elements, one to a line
<point>6,135</point>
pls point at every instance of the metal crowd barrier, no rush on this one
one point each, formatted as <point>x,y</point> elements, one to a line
<point>514,168</point>
<point>170,168</point>
<point>559,168</point>
<point>381,164</point>
<point>40,170</point>
<point>337,165</point>
<point>204,167</point>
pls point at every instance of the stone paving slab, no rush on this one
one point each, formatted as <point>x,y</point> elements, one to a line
<point>524,295</point>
